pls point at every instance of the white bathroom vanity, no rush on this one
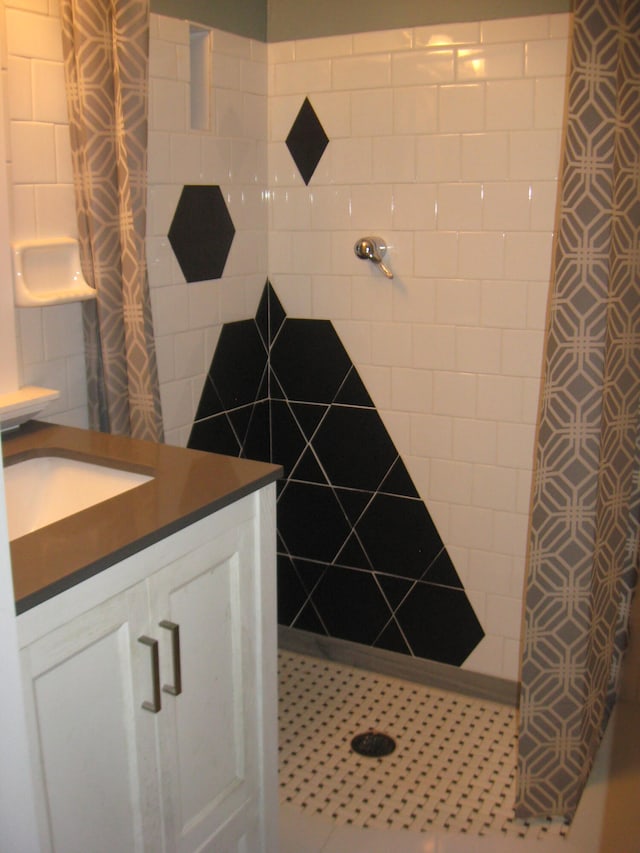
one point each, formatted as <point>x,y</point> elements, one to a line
<point>150,683</point>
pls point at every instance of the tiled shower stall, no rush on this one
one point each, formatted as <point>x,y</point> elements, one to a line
<point>445,141</point>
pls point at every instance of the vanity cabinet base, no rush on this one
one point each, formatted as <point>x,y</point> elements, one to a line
<point>152,714</point>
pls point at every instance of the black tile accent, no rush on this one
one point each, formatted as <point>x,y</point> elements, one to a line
<point>319,364</point>
<point>291,592</point>
<point>308,416</point>
<point>270,315</point>
<point>311,522</point>
<point>353,501</point>
<point>201,232</point>
<point>308,469</point>
<point>351,605</point>
<point>354,447</point>
<point>277,314</point>
<point>262,316</point>
<point>394,589</point>
<point>453,628</point>
<point>441,571</point>
<point>310,573</point>
<point>391,638</point>
<point>257,443</point>
<point>360,557</point>
<point>398,535</point>
<point>308,620</point>
<point>398,481</point>
<point>307,141</point>
<point>352,554</point>
<point>240,364</point>
<point>287,442</point>
<point>353,392</point>
<point>210,402</point>
<point>214,435</point>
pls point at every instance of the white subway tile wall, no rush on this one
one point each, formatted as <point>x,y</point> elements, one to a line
<point>446,142</point>
<point>50,340</point>
<point>231,154</point>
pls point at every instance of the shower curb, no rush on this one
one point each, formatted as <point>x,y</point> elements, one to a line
<point>396,665</point>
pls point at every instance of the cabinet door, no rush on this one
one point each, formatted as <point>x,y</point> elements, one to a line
<point>93,744</point>
<point>209,745</point>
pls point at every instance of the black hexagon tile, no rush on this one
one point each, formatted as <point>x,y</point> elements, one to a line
<point>306,141</point>
<point>359,556</point>
<point>201,232</point>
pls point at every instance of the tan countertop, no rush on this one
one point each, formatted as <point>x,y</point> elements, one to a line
<point>187,485</point>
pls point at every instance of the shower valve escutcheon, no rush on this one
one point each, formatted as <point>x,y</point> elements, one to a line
<point>373,249</point>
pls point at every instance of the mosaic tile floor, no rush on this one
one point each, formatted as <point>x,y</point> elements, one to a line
<point>453,767</point>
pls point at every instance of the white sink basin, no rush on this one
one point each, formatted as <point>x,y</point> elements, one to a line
<point>45,489</point>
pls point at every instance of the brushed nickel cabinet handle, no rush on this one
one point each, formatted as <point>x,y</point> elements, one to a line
<point>155,704</point>
<point>174,689</point>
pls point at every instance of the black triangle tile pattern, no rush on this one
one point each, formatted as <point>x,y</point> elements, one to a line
<point>307,141</point>
<point>359,556</point>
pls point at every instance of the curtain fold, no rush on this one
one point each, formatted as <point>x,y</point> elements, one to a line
<point>106,47</point>
<point>583,544</point>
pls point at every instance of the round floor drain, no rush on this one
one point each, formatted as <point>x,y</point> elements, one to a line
<point>373,744</point>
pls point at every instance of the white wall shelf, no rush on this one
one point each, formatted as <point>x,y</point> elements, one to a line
<point>48,272</point>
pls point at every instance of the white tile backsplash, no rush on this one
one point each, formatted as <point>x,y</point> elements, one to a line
<point>444,140</point>
<point>33,152</point>
<point>490,62</point>
<point>422,67</point>
<point>546,58</point>
<point>510,104</point>
<point>36,36</point>
<point>461,108</point>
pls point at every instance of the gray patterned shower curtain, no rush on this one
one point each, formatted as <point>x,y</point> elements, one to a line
<point>583,545</point>
<point>106,48</point>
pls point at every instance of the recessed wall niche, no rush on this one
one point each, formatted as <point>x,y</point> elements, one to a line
<point>200,75</point>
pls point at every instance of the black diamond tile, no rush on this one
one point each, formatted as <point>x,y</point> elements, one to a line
<point>239,364</point>
<point>306,141</point>
<point>351,605</point>
<point>309,361</point>
<point>262,316</point>
<point>277,314</point>
<point>399,536</point>
<point>201,232</point>
<point>354,447</point>
<point>270,314</point>
<point>439,623</point>
<point>310,521</point>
